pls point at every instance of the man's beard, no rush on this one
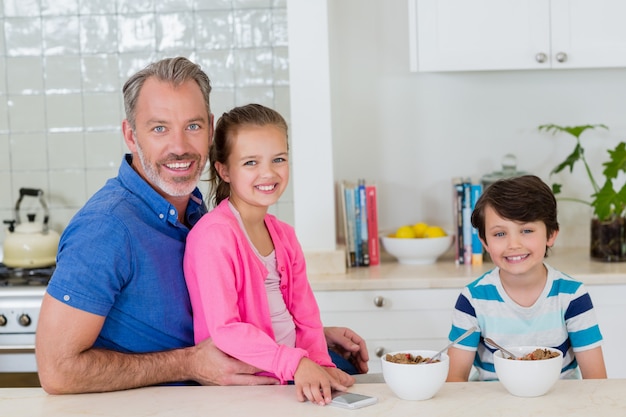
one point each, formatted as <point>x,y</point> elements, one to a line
<point>176,186</point>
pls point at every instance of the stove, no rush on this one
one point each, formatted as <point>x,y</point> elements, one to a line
<point>21,292</point>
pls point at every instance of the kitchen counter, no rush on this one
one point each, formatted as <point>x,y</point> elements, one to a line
<point>575,262</point>
<point>574,398</point>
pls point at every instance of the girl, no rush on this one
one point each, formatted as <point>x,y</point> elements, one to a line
<point>251,295</point>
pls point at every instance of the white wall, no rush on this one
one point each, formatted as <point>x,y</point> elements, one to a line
<point>412,132</point>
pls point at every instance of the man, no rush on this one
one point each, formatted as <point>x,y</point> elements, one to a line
<point>116,314</point>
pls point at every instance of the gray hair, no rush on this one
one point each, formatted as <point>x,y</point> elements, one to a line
<point>174,70</point>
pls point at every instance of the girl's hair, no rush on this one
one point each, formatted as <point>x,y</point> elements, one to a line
<point>226,129</point>
<point>173,70</point>
<point>521,199</point>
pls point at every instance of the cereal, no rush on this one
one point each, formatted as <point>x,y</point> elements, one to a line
<point>407,358</point>
<point>539,354</point>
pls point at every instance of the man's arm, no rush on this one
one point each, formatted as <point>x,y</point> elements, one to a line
<point>68,363</point>
<point>349,345</point>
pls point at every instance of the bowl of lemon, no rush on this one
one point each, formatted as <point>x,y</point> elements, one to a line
<point>417,244</point>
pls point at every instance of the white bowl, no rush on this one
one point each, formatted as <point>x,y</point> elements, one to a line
<point>417,251</point>
<point>416,381</point>
<point>527,378</point>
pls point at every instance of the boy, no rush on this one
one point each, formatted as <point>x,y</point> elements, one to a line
<point>523,301</point>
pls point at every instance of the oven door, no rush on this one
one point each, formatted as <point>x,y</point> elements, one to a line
<point>18,366</point>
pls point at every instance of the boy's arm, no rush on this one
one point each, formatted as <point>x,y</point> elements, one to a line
<point>461,361</point>
<point>591,363</point>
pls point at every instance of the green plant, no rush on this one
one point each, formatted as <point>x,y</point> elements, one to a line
<point>606,201</point>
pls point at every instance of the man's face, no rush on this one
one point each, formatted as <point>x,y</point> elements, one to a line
<point>172,134</point>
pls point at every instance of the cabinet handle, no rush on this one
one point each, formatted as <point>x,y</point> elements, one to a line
<point>561,57</point>
<point>379,301</point>
<point>541,57</point>
<point>380,351</point>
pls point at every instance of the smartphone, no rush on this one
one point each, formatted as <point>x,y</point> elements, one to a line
<point>351,400</point>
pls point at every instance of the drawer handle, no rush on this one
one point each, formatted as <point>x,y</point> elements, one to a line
<point>379,301</point>
<point>380,351</point>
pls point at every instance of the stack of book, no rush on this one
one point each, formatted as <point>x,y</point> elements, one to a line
<point>358,222</point>
<point>468,249</point>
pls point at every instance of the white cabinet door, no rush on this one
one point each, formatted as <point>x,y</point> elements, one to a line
<point>454,35</point>
<point>588,34</point>
<point>466,35</point>
<point>391,320</point>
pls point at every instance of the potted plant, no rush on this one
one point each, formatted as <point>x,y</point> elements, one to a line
<point>608,200</point>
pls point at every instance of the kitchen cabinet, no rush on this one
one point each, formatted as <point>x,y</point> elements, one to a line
<point>467,35</point>
<point>391,320</point>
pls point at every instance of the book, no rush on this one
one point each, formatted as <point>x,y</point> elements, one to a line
<point>351,224</point>
<point>467,222</point>
<point>364,257</point>
<point>372,224</point>
<point>457,203</point>
<point>477,246</point>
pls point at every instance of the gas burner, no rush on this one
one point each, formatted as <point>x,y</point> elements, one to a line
<point>12,277</point>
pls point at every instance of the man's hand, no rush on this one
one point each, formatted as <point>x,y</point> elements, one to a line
<point>211,366</point>
<point>349,345</point>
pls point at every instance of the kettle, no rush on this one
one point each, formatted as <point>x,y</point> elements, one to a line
<point>31,244</point>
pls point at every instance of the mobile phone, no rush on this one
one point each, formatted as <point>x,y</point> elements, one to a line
<point>351,400</point>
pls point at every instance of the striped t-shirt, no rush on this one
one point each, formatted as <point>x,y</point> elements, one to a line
<point>562,318</point>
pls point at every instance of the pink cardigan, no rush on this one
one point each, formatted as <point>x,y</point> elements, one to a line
<point>226,286</point>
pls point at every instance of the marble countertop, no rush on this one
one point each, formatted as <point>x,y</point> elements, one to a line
<point>575,262</point>
<point>573,398</point>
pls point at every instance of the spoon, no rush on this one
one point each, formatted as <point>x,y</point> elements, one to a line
<point>494,344</point>
<point>454,342</point>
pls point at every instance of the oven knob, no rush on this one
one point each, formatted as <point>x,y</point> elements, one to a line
<point>3,320</point>
<point>24,320</point>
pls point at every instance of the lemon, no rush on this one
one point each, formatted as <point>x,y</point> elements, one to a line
<point>405,232</point>
<point>434,231</point>
<point>419,229</point>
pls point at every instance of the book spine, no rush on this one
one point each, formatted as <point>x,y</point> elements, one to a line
<point>457,185</point>
<point>364,229</point>
<point>342,220</point>
<point>350,220</point>
<point>467,222</point>
<point>372,224</point>
<point>477,246</point>
<point>357,227</point>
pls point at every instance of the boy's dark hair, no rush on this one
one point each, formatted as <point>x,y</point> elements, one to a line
<point>521,199</point>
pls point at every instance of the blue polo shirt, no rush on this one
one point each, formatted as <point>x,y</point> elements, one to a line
<point>121,257</point>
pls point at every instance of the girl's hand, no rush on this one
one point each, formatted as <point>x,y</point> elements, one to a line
<point>315,383</point>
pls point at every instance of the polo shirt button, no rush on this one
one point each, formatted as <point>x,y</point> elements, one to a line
<point>172,212</point>
<point>161,215</point>
<point>284,287</point>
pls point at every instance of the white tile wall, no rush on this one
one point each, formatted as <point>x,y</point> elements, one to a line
<point>63,63</point>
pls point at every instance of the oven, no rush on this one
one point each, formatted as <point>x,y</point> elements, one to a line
<point>21,292</point>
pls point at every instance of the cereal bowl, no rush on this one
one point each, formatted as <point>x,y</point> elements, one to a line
<point>415,381</point>
<point>527,378</point>
<point>417,251</point>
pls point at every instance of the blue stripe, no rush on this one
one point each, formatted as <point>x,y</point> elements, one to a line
<point>470,341</point>
<point>486,292</point>
<point>564,286</point>
<point>578,306</point>
<point>464,306</point>
<point>573,364</point>
<point>586,337</point>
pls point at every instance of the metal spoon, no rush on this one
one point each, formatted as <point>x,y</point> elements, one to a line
<point>457,340</point>
<point>494,344</point>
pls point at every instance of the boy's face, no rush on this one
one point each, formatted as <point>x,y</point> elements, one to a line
<point>518,249</point>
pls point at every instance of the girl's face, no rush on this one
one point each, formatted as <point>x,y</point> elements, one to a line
<point>257,167</point>
<point>518,249</point>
